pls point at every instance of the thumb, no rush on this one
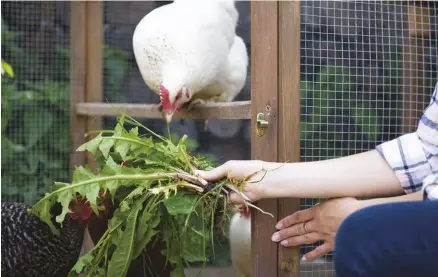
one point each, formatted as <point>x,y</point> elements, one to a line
<point>214,174</point>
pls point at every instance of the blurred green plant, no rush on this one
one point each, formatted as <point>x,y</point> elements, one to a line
<point>34,138</point>
<point>35,115</point>
<point>116,67</point>
<point>337,115</point>
<point>339,120</point>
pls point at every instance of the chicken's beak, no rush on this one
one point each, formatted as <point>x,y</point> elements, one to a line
<point>169,117</point>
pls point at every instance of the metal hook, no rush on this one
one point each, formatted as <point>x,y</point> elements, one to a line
<point>262,124</point>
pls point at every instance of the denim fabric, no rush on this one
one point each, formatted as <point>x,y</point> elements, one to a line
<point>397,239</point>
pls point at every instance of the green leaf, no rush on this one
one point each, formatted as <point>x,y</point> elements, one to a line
<point>123,146</point>
<point>64,198</point>
<point>30,166</point>
<point>193,245</point>
<point>91,191</point>
<point>37,122</point>
<point>81,263</point>
<point>92,145</point>
<point>178,271</point>
<point>82,174</point>
<point>105,146</point>
<point>120,261</point>
<point>8,69</point>
<point>181,203</point>
<point>145,231</point>
<point>172,251</point>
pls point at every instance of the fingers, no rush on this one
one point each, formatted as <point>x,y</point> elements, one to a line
<point>295,218</point>
<point>318,252</point>
<point>295,231</point>
<point>214,174</point>
<point>235,198</point>
<point>308,238</point>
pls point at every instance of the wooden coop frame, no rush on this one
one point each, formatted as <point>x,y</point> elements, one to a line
<point>275,92</point>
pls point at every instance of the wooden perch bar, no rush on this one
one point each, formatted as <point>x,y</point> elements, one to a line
<point>230,110</point>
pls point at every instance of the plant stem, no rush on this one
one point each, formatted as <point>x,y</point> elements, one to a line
<point>127,139</point>
<point>154,176</point>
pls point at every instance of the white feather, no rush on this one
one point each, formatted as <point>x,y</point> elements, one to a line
<point>240,244</point>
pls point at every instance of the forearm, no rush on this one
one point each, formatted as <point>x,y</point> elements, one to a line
<point>361,175</point>
<point>416,196</point>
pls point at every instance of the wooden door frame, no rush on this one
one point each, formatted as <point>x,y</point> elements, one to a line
<point>275,91</point>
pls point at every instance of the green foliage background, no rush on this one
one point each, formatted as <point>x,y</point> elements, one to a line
<point>35,116</point>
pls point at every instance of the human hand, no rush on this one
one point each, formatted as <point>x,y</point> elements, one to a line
<point>318,223</point>
<point>252,171</point>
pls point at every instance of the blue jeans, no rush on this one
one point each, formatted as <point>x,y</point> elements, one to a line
<point>398,239</point>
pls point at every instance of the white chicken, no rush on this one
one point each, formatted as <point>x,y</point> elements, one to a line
<point>188,53</point>
<point>240,243</point>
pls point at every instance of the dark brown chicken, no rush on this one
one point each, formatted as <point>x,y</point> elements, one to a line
<point>30,249</point>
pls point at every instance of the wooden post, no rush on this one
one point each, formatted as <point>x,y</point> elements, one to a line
<point>86,80</point>
<point>78,66</point>
<point>86,61</point>
<point>264,99</point>
<point>415,58</point>
<point>289,117</point>
<point>94,91</point>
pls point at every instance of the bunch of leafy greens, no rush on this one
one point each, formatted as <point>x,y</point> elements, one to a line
<point>155,193</point>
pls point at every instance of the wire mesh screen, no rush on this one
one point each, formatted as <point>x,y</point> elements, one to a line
<point>368,70</point>
<point>35,98</point>
<point>220,140</point>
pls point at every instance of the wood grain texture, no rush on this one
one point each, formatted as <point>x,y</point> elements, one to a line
<point>231,110</point>
<point>93,87</point>
<point>94,60</point>
<point>264,98</point>
<point>289,117</point>
<point>77,79</point>
<point>416,61</point>
<point>419,19</point>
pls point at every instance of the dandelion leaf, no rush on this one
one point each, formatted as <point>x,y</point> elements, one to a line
<point>181,203</point>
<point>121,258</point>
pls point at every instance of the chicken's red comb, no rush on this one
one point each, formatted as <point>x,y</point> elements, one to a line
<point>80,209</point>
<point>164,97</point>
<point>246,211</point>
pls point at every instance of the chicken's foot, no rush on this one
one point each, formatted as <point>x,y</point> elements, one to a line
<point>193,104</point>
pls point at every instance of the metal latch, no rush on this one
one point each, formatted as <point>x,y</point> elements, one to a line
<point>262,124</point>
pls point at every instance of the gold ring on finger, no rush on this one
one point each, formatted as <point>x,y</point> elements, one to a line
<point>305,227</point>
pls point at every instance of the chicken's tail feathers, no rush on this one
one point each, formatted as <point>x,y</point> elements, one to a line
<point>235,72</point>
<point>239,50</point>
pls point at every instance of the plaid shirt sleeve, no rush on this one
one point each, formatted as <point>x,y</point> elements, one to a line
<point>414,156</point>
